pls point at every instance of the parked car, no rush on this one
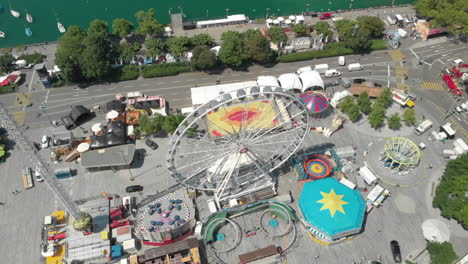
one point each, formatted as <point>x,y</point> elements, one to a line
<point>45,141</point>
<point>395,247</point>
<point>332,73</point>
<point>359,80</point>
<point>134,188</point>
<point>37,175</point>
<point>150,143</point>
<point>325,16</point>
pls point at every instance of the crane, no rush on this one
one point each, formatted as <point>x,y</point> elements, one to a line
<point>36,161</point>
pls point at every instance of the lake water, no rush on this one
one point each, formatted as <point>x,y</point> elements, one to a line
<point>80,12</point>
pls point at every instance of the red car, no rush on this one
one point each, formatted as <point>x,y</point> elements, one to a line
<point>325,16</point>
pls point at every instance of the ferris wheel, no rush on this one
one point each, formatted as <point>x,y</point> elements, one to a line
<point>231,144</point>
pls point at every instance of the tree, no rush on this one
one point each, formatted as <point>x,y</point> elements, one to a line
<point>345,28</point>
<point>364,103</point>
<point>449,14</point>
<point>377,116</point>
<point>251,33</point>
<point>409,116</point>
<point>98,26</point>
<point>154,47</point>
<point>203,58</point>
<point>258,49</point>
<point>5,61</point>
<point>394,121</point>
<point>126,51</point>
<point>95,59</point>
<point>441,253</point>
<point>232,49</point>
<point>69,50</point>
<point>151,125</point>
<point>121,27</point>
<point>373,25</point>
<point>201,40</point>
<point>450,196</point>
<point>300,29</point>
<point>359,42</point>
<point>172,122</point>
<point>178,45</point>
<point>147,24</point>
<point>346,103</point>
<point>386,98</point>
<point>353,113</point>
<point>321,27</point>
<point>277,35</point>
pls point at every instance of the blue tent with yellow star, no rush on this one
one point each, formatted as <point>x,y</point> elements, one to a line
<point>332,209</point>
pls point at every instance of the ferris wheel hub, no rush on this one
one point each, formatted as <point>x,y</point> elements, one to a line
<point>243,150</point>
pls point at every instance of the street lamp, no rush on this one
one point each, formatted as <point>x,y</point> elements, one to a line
<point>268,10</point>
<point>351,3</point>
<point>170,9</point>
<point>307,8</point>
<point>227,11</point>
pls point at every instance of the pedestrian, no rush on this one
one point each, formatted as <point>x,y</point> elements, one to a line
<point>2,203</point>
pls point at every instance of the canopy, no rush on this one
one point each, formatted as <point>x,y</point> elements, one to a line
<point>290,81</point>
<point>332,208</point>
<point>96,127</point>
<point>83,147</point>
<point>288,21</point>
<point>292,17</point>
<point>119,96</point>
<point>315,102</point>
<point>435,230</point>
<point>280,19</point>
<point>112,114</point>
<point>267,81</point>
<point>276,21</point>
<point>269,21</point>
<point>311,79</point>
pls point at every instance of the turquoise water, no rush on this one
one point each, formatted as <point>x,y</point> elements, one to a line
<point>81,12</point>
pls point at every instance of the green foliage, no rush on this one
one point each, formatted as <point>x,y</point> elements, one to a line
<point>154,47</point>
<point>232,49</point>
<point>126,51</point>
<point>360,42</point>
<point>314,54</point>
<point>178,45</point>
<point>394,121</point>
<point>203,58</point>
<point>377,115</point>
<point>152,124</point>
<point>69,50</point>
<point>345,28</point>
<point>353,113</point>
<point>277,34</point>
<point>172,122</point>
<point>364,103</point>
<point>201,40</point>
<point>346,103</point>
<point>147,24</point>
<point>121,27</point>
<point>451,193</point>
<point>300,29</point>
<point>441,253</point>
<point>96,56</point>
<point>378,44</point>
<point>6,60</point>
<point>451,14</point>
<point>409,116</point>
<point>373,25</point>
<point>124,73</point>
<point>98,27</point>
<point>257,48</point>
<point>321,27</point>
<point>32,58</point>
<point>166,69</point>
<point>20,48</point>
<point>7,88</point>
<point>386,98</point>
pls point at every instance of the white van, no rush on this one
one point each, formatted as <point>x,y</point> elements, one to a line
<point>341,61</point>
<point>355,67</point>
<point>391,20</point>
<point>303,69</point>
<point>423,127</point>
<point>332,73</point>
<point>321,68</point>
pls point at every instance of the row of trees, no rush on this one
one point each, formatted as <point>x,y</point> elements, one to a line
<point>375,111</point>
<point>357,34</point>
<point>451,14</point>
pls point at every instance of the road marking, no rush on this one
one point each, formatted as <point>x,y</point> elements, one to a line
<point>414,54</point>
<point>458,127</point>
<point>396,55</point>
<point>144,84</point>
<point>19,116</point>
<point>204,78</point>
<point>76,95</point>
<point>432,86</point>
<point>403,87</point>
<point>235,74</point>
<point>23,99</point>
<point>175,81</point>
<point>128,86</point>
<point>113,88</point>
<point>401,71</point>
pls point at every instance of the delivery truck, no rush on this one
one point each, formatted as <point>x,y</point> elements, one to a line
<point>423,127</point>
<point>368,176</point>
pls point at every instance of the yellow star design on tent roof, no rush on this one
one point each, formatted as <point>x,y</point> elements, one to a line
<point>333,202</point>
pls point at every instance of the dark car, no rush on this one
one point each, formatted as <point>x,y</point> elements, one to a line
<point>134,188</point>
<point>325,16</point>
<point>395,247</point>
<point>359,80</point>
<point>150,143</point>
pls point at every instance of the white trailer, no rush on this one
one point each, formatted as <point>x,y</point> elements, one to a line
<point>303,69</point>
<point>345,152</point>
<point>423,127</point>
<point>377,195</point>
<point>321,68</point>
<point>367,175</point>
<point>460,146</point>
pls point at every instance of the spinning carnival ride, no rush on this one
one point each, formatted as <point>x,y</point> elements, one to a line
<point>231,144</point>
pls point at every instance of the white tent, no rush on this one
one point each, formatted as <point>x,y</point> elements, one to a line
<point>276,22</point>
<point>216,50</point>
<point>204,94</point>
<point>112,114</point>
<point>311,79</point>
<point>290,81</point>
<point>299,18</point>
<point>291,17</point>
<point>435,230</point>
<point>96,127</point>
<point>280,19</point>
<point>269,21</point>
<point>267,81</point>
<point>288,21</point>
<point>82,147</point>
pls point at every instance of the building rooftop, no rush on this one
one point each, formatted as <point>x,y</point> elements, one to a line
<point>113,156</point>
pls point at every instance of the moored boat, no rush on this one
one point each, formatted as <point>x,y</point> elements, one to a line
<point>15,13</point>
<point>2,34</point>
<point>60,27</point>
<point>29,18</point>
<point>28,32</point>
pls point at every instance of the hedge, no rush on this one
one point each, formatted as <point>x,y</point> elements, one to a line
<point>32,58</point>
<point>166,69</point>
<point>314,54</point>
<point>378,44</point>
<point>8,88</point>
<point>124,73</point>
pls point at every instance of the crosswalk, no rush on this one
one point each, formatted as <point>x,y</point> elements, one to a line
<point>23,99</point>
<point>396,55</point>
<point>403,87</point>
<point>459,128</point>
<point>19,117</point>
<point>401,72</point>
<point>432,86</point>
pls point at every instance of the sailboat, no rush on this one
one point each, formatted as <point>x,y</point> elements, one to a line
<point>28,32</point>
<point>13,12</point>
<point>2,34</point>
<point>29,18</point>
<point>60,27</point>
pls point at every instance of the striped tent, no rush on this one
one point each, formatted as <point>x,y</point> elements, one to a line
<point>315,102</point>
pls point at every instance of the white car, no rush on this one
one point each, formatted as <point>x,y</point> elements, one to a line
<point>38,176</point>
<point>341,61</point>
<point>45,142</point>
<point>332,73</point>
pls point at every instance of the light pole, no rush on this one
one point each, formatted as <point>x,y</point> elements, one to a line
<point>307,8</point>
<point>351,4</point>
<point>227,11</point>
<point>268,10</point>
<point>170,9</point>
<point>207,12</point>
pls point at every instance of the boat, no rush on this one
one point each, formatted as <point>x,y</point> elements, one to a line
<point>29,18</point>
<point>2,34</point>
<point>28,32</point>
<point>60,27</point>
<point>13,12</point>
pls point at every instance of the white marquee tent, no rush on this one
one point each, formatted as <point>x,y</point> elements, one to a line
<point>204,94</point>
<point>311,79</point>
<point>267,81</point>
<point>290,81</point>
